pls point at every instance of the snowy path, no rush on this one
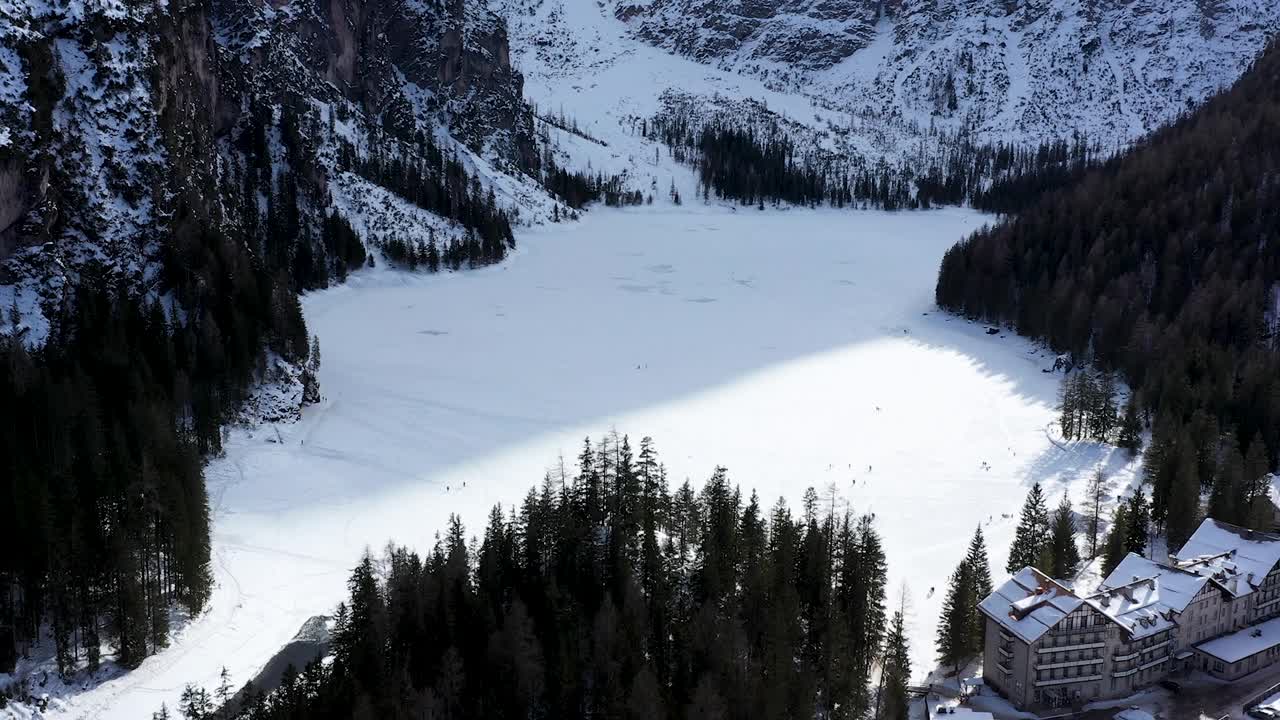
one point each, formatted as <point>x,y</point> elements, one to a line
<point>791,346</point>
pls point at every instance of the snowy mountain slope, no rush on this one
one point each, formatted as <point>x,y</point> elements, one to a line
<point>120,117</point>
<point>1029,71</point>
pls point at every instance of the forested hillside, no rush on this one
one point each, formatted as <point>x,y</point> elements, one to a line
<point>608,595</point>
<point>172,176</point>
<point>1162,265</point>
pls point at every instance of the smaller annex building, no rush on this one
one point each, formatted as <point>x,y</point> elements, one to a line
<point>1212,606</point>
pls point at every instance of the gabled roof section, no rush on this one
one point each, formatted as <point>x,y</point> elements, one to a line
<point>1233,557</point>
<point>1145,597</point>
<point>1029,603</point>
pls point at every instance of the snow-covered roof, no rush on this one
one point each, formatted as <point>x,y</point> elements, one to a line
<point>1244,642</point>
<point>1233,557</point>
<point>1029,603</point>
<point>1144,597</point>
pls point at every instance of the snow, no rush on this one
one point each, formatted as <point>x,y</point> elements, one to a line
<point>1236,558</point>
<point>1272,702</point>
<point>1029,604</point>
<point>1244,642</point>
<point>796,347</point>
<point>1134,714</point>
<point>1143,596</point>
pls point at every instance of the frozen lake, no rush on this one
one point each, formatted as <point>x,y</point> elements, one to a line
<point>796,347</point>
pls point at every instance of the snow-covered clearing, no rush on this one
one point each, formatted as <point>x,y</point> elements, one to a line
<point>797,347</point>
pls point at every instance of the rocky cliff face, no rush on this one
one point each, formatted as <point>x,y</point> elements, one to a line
<point>1113,69</point>
<point>121,120</point>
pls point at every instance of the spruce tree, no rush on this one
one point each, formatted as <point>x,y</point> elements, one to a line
<point>1067,407</point>
<point>1137,520</point>
<point>980,577</point>
<point>1184,497</point>
<point>1131,426</point>
<point>1256,467</point>
<point>955,640</point>
<point>894,703</point>
<point>1066,557</point>
<point>1031,536</point>
<point>1227,495</point>
<point>1115,546</point>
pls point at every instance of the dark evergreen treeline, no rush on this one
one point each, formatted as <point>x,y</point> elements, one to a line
<point>1163,266</point>
<point>102,431</point>
<point>606,595</point>
<point>439,183</point>
<point>1019,175</point>
<point>753,166</point>
<point>432,256</point>
<point>577,189</point>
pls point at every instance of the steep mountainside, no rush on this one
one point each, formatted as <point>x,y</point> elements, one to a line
<point>1029,70</point>
<point>172,175</point>
<point>120,117</point>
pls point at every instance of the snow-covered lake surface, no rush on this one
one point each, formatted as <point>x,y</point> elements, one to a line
<point>796,347</point>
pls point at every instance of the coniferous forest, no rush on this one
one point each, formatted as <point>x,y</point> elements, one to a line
<point>606,594</point>
<point>756,165</point>
<point>1163,266</point>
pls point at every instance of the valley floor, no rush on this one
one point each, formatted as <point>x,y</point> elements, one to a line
<point>796,347</point>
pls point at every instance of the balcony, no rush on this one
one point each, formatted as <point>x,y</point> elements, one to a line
<point>1139,651</point>
<point>1063,648</point>
<point>1140,668</point>
<point>1067,681</point>
<point>1003,668</point>
<point>1006,653</point>
<point>1069,663</point>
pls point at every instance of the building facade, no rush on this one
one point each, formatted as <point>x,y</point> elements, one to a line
<point>1213,606</point>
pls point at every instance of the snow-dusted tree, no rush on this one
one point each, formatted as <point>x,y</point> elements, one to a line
<point>1032,534</point>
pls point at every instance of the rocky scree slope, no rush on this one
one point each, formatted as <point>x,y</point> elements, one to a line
<point>1032,70</point>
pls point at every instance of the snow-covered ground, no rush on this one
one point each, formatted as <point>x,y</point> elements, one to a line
<point>796,347</point>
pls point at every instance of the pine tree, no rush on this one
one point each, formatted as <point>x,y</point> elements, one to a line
<point>1066,557</point>
<point>1116,544</point>
<point>223,693</point>
<point>1068,406</point>
<point>976,558</point>
<point>979,570</point>
<point>1093,526</point>
<point>1259,512</point>
<point>1137,520</point>
<point>1184,497</point>
<point>1228,494</point>
<point>1031,536</point>
<point>894,703</point>
<point>955,640</point>
<point>1102,412</point>
<point>1131,426</point>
